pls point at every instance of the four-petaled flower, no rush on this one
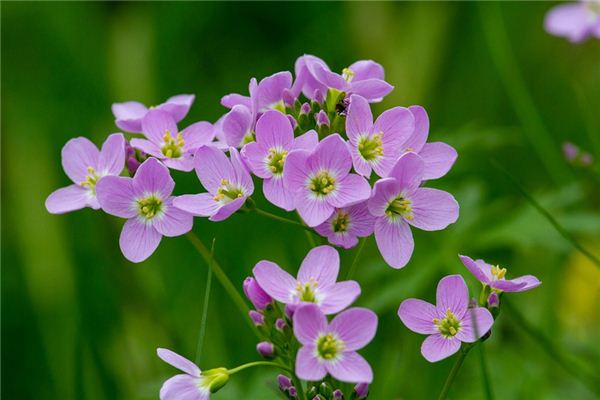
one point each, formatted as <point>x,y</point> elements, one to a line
<point>449,322</point>
<point>146,201</point>
<point>331,347</point>
<point>166,143</point>
<point>190,385</point>
<point>267,155</point>
<point>321,180</point>
<point>316,282</point>
<point>346,225</point>
<point>129,115</point>
<point>398,202</point>
<point>227,180</point>
<point>494,276</point>
<point>85,165</point>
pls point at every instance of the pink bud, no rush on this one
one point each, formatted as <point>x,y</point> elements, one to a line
<point>256,317</point>
<point>284,382</point>
<point>493,300</point>
<point>362,390</point>
<point>266,349</point>
<point>280,324</point>
<point>259,298</point>
<point>322,118</point>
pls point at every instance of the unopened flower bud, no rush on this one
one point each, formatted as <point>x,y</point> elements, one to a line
<point>305,109</point>
<point>493,300</point>
<point>325,390</point>
<point>319,96</point>
<point>292,121</point>
<point>322,118</point>
<point>337,394</point>
<point>293,392</point>
<point>266,349</point>
<point>361,390</point>
<point>216,378</point>
<point>257,318</point>
<point>259,298</point>
<point>289,310</point>
<point>280,324</point>
<point>288,98</point>
<point>284,382</point>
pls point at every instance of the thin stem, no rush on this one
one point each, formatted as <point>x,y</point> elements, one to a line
<point>454,371</point>
<point>257,364</point>
<point>223,279</point>
<point>588,379</point>
<point>564,233</point>
<point>485,375</point>
<point>205,306</point>
<point>280,219</point>
<point>354,264</point>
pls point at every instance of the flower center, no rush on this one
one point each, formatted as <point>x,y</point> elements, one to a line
<point>307,291</point>
<point>90,180</point>
<point>371,147</point>
<point>228,192</point>
<point>329,346</point>
<point>400,207</point>
<point>172,146</point>
<point>322,184</point>
<point>449,326</point>
<point>498,272</point>
<point>149,207</point>
<point>275,160</point>
<point>348,74</point>
<point>340,222</point>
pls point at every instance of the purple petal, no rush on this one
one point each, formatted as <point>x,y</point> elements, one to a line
<point>153,177</point>
<point>339,296</point>
<point>147,147</point>
<point>305,79</point>
<point>307,365</point>
<point>178,106</point>
<point>275,191</point>
<point>129,115</point>
<point>203,204</point>
<point>242,176</point>
<point>526,282</point>
<point>397,125</point>
<point>408,171</point>
<point>361,221</point>
<point>418,316</point>
<point>156,123</point>
<point>212,165</point>
<point>309,323</point>
<point>275,281</point>
<point>361,166</point>
<point>236,124</point>
<point>480,269</point>
<point>351,368</point>
<point>183,387</point>
<point>321,264</point>
<point>234,99</point>
<point>367,69</point>
<point>314,211</point>
<point>507,285</point>
<point>331,154</point>
<point>359,120</point>
<point>356,327</point>
<point>77,156</point>
<point>439,157</point>
<point>569,20</point>
<point>371,89</point>
<point>173,222</point>
<point>179,362</point>
<point>475,323</point>
<point>197,134</point>
<point>437,347</point>
<point>185,163</point>
<point>395,241</point>
<point>138,240</point>
<point>112,155</point>
<point>116,197</point>
<point>273,130</point>
<point>328,78</point>
<point>350,190</point>
<point>433,209</point>
<point>270,89</point>
<point>67,199</point>
<point>255,154</point>
<point>384,191</point>
<point>226,210</point>
<point>295,170</point>
<point>307,141</point>
<point>452,294</point>
<point>419,137</point>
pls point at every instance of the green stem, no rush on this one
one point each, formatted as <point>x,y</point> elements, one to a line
<point>588,379</point>
<point>563,232</point>
<point>280,219</point>
<point>223,279</point>
<point>205,306</point>
<point>454,371</point>
<point>354,264</point>
<point>485,375</point>
<point>257,364</point>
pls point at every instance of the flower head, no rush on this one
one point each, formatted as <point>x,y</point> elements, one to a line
<point>331,347</point>
<point>316,282</point>
<point>398,202</point>
<point>129,115</point>
<point>321,180</point>
<point>85,165</point>
<point>494,276</point>
<point>227,180</point>
<point>449,322</point>
<point>575,21</point>
<point>346,225</point>
<point>266,157</point>
<point>166,143</point>
<point>146,201</point>
<point>377,145</point>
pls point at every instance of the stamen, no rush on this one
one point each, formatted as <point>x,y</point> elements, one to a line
<point>172,146</point>
<point>322,184</point>
<point>400,207</point>
<point>329,346</point>
<point>449,326</point>
<point>371,147</point>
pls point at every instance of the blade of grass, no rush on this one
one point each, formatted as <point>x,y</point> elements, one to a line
<point>205,305</point>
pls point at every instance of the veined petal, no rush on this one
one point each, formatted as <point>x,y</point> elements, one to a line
<point>525,282</point>
<point>67,199</point>
<point>212,165</point>
<point>419,137</point>
<point>276,193</point>
<point>366,69</point>
<point>179,362</point>
<point>437,347</point>
<point>112,155</point>
<point>138,240</point>
<point>226,210</point>
<point>255,154</point>
<point>475,323</point>
<point>408,171</point>
<point>157,123</point>
<point>307,141</point>
<point>236,124</point>
<point>355,326</point>
<point>418,316</point>
<point>314,211</point>
<point>309,322</point>
<point>203,204</point>
<point>173,221</point>
<point>184,387</point>
<point>397,125</point>
<point>153,177</point>
<point>129,115</point>
<point>178,106</point>
<point>352,367</point>
<point>235,99</point>
<point>433,209</point>
<point>394,240</point>
<point>384,191</point>
<point>116,197</point>
<point>197,134</point>
<point>274,280</point>
<point>78,155</point>
<point>439,157</point>
<point>273,130</point>
<point>307,365</point>
<point>295,170</point>
<point>374,90</point>
<point>480,269</point>
<point>452,294</point>
<point>242,176</point>
<point>339,296</point>
<point>147,147</point>
<point>321,264</point>
<point>270,89</point>
<point>331,154</point>
<point>359,120</point>
<point>350,190</point>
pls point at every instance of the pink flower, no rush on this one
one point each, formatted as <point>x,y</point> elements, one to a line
<point>575,21</point>
<point>129,115</point>
<point>494,276</point>
<point>347,224</point>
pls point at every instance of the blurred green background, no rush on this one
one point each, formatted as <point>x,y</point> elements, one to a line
<point>80,322</point>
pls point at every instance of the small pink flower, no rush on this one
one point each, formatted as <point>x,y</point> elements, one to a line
<point>494,276</point>
<point>129,115</point>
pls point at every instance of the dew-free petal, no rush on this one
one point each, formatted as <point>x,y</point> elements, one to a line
<point>78,155</point>
<point>452,294</point>
<point>356,327</point>
<point>439,157</point>
<point>309,322</point>
<point>436,347</point>
<point>212,165</point>
<point>275,281</point>
<point>147,147</point>
<point>339,296</point>
<point>314,211</point>
<point>116,197</point>
<point>408,171</point>
<point>236,124</point>
<point>112,155</point>
<point>307,365</point>
<point>67,199</point>
<point>480,269</point>
<point>350,190</point>
<point>173,222</point>
<point>156,123</point>
<point>395,242</point>
<point>202,204</point>
<point>179,362</point>
<point>384,191</point>
<point>183,387</point>
<point>226,210</point>
<point>475,323</point>
<point>275,191</point>
<point>138,240</point>
<point>331,154</point>
<point>433,209</point>
<point>153,177</point>
<point>359,118</point>
<point>322,264</point>
<point>367,69</point>
<point>351,368</point>
<point>273,130</point>
<point>178,106</point>
<point>418,316</point>
<point>197,134</point>
<point>371,89</point>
